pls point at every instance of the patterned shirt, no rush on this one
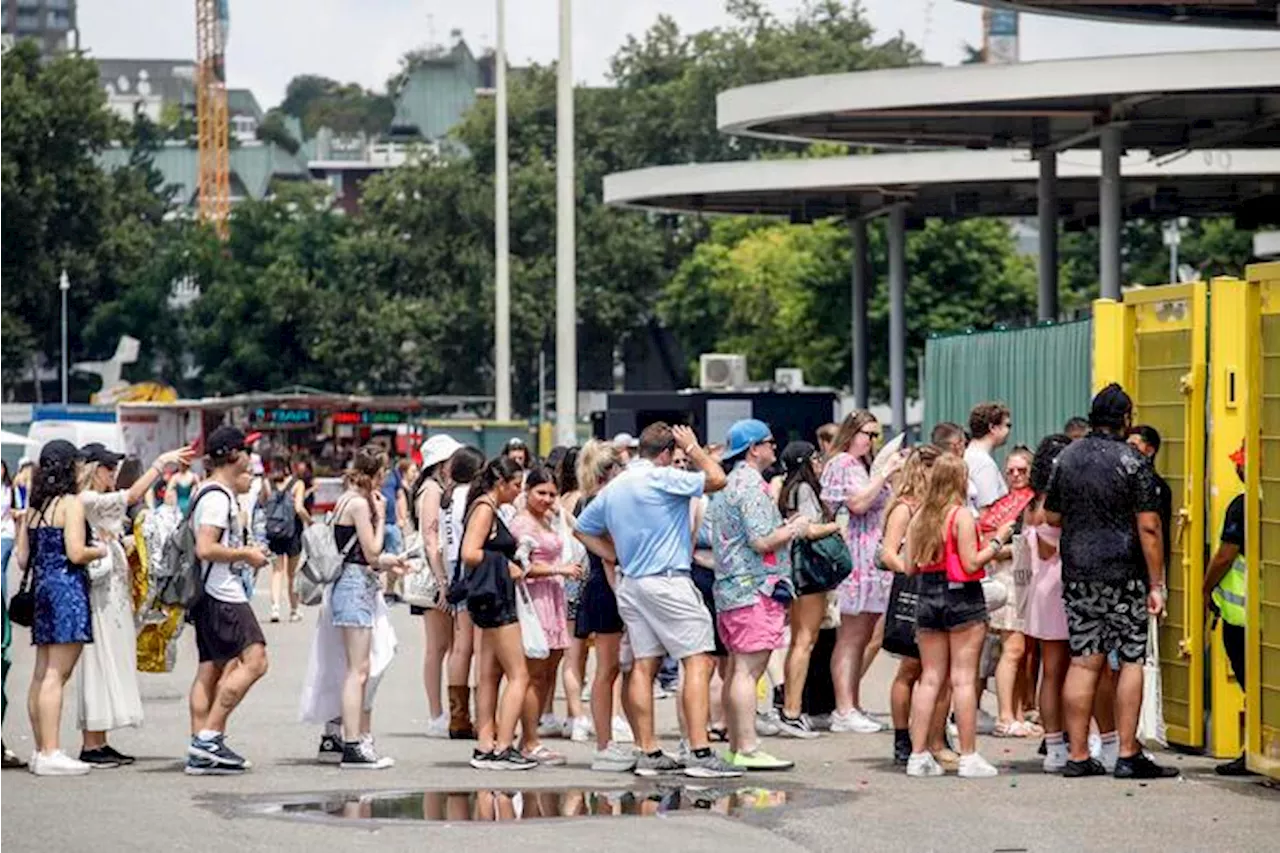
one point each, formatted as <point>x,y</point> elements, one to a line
<point>741,512</point>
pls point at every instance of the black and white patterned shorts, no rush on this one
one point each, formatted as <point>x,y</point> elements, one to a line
<point>1105,617</point>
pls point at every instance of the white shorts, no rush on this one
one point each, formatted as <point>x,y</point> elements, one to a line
<point>665,614</point>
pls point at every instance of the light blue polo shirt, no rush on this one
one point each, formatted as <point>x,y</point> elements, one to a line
<point>646,511</point>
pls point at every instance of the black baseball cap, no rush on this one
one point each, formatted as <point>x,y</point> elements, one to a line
<point>96,451</point>
<point>226,440</point>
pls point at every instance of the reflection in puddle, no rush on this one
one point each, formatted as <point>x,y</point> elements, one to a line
<point>508,805</point>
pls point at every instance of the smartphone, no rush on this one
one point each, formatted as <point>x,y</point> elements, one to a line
<point>197,446</point>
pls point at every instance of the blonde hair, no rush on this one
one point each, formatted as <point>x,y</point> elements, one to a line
<point>85,472</point>
<point>913,479</point>
<point>594,463</point>
<point>947,487</point>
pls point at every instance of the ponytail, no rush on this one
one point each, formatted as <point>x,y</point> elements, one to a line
<point>497,470</point>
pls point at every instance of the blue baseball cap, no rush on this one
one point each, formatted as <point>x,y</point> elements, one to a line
<point>743,434</point>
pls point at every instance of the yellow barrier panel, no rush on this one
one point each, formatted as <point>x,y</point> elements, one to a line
<point>1112,340</point>
<point>1262,524</point>
<point>1228,354</point>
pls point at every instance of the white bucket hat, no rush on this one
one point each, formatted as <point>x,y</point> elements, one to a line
<point>438,448</point>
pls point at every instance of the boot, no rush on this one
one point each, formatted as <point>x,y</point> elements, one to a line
<point>460,727</point>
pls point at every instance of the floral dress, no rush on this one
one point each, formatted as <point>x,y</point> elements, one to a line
<point>866,590</point>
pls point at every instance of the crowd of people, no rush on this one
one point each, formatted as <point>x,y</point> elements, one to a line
<point>727,563</point>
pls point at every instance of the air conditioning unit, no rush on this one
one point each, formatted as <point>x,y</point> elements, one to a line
<point>720,371</point>
<point>788,379</point>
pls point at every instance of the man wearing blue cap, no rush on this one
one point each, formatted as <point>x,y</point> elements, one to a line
<point>641,522</point>
<point>753,582</point>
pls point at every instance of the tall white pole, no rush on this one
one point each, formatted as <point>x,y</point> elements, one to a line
<point>501,235</point>
<point>566,313</point>
<point>64,285</point>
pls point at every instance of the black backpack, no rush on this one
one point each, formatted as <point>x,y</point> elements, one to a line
<point>178,576</point>
<point>281,516</point>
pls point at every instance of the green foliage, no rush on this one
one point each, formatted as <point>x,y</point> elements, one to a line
<point>343,107</point>
<point>273,130</point>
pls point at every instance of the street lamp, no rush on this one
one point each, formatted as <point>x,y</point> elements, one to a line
<point>64,285</point>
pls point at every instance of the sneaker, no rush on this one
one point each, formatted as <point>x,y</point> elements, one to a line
<point>622,731</point>
<point>613,759</point>
<point>853,721</point>
<point>468,733</point>
<point>197,766</point>
<point>295,616</point>
<point>509,759</point>
<point>1141,767</point>
<point>9,759</point>
<point>1234,768</point>
<point>57,763</point>
<point>901,748</point>
<point>125,760</point>
<point>797,727</point>
<point>99,758</point>
<point>216,750</point>
<point>330,751</point>
<point>362,756</point>
<point>767,723</point>
<point>683,752</point>
<point>438,727</point>
<point>1055,758</point>
<point>654,765</point>
<point>974,766</point>
<point>1081,769</point>
<point>660,692</point>
<point>710,766</point>
<point>549,726</point>
<point>275,613</point>
<point>819,722</point>
<point>757,759</point>
<point>921,764</point>
<point>580,730</point>
<point>544,754</point>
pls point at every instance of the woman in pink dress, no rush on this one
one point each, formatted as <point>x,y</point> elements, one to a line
<point>849,489</point>
<point>537,525</point>
<point>1046,618</point>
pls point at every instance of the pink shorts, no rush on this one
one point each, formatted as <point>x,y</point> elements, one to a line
<point>759,628</point>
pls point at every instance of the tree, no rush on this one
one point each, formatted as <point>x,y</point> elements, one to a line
<point>346,108</point>
<point>273,130</point>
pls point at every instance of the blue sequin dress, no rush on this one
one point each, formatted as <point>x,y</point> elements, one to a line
<point>61,592</point>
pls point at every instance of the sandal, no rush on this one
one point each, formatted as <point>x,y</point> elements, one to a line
<point>948,759</point>
<point>1014,729</point>
<point>718,733</point>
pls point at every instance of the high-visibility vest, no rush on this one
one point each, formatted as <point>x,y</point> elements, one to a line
<point>1230,594</point>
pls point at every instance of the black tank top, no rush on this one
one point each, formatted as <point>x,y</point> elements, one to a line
<point>342,534</point>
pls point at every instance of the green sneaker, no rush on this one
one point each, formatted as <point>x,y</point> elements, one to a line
<point>757,759</point>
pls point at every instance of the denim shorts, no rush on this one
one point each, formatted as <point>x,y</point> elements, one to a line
<point>946,606</point>
<point>355,596</point>
<point>392,540</point>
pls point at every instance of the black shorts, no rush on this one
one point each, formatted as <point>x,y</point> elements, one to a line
<point>1105,617</point>
<point>946,606</point>
<point>704,579</point>
<point>287,546</point>
<point>224,630</point>
<point>597,606</point>
<point>1233,643</point>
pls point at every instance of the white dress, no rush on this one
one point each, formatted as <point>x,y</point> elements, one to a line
<point>107,678</point>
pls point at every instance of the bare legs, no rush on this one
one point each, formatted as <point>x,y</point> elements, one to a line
<point>542,676</point>
<point>54,665</point>
<point>219,688</point>
<point>740,698</point>
<point>846,658</point>
<point>1008,677</point>
<point>639,689</point>
<point>501,654</point>
<point>575,673</point>
<point>1056,661</point>
<point>440,635</point>
<point>696,673</point>
<point>602,686</point>
<point>942,655</point>
<point>806,618</point>
<point>357,642</point>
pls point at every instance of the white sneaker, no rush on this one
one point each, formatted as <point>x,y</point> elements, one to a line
<point>922,764</point>
<point>854,721</point>
<point>767,723</point>
<point>974,766</point>
<point>57,763</point>
<point>550,726</point>
<point>580,730</point>
<point>275,613</point>
<point>622,731</point>
<point>1055,758</point>
<point>986,723</point>
<point>614,759</point>
<point>438,727</point>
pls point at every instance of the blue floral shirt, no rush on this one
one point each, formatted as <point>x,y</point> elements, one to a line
<point>739,513</point>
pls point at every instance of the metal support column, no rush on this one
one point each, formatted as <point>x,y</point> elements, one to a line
<point>1047,209</point>
<point>1110,218</point>
<point>566,281</point>
<point>861,287</point>
<point>898,317</point>
<point>501,232</point>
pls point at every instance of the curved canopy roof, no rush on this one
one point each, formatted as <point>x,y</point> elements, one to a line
<point>1161,102</point>
<point>951,184</point>
<point>1238,14</point>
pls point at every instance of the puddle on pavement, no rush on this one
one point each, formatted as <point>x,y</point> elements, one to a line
<point>497,805</point>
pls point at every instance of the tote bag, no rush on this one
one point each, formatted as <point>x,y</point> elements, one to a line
<point>1151,730</point>
<point>900,617</point>
<point>531,633</point>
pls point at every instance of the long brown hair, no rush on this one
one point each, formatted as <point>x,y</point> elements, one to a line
<point>369,462</point>
<point>849,429</point>
<point>948,488</point>
<point>913,479</point>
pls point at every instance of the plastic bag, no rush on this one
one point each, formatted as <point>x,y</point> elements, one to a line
<point>531,633</point>
<point>1151,730</point>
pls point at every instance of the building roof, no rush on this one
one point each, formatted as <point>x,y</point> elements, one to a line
<point>253,167</point>
<point>172,80</point>
<point>1162,102</point>
<point>948,184</point>
<point>241,102</point>
<point>438,91</point>
<point>1236,14</point>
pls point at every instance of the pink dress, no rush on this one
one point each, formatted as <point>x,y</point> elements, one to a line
<point>1046,614</point>
<point>866,590</point>
<point>546,594</point>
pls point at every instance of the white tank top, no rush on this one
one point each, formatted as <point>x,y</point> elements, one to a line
<point>453,526</point>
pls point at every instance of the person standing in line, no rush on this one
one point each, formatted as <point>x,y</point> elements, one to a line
<point>1103,496</point>
<point>1146,440</point>
<point>826,436</point>
<point>427,494</point>
<point>577,725</point>
<point>52,544</point>
<point>544,579</point>
<point>464,467</point>
<point>232,649</point>
<point>107,680</point>
<point>1046,614</point>
<point>598,463</point>
<point>355,601</point>
<point>627,445</point>
<point>517,451</point>
<point>849,489</point>
<point>1076,428</point>
<point>12,515</point>
<point>989,428</point>
<point>1226,595</point>
<point>640,523</point>
<point>753,585</point>
<point>489,553</point>
<point>950,438</point>
<point>951,614</point>
<point>798,496</point>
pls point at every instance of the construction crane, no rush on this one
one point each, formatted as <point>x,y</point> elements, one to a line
<point>214,184</point>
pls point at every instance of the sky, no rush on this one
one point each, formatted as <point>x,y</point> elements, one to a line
<point>271,41</point>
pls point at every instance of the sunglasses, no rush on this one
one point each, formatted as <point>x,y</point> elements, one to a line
<point>870,433</point>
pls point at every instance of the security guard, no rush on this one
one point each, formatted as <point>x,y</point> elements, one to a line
<point>1225,589</point>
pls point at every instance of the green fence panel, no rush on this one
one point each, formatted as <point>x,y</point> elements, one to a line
<point>1042,373</point>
